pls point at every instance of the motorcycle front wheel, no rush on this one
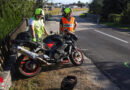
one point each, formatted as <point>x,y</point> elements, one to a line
<point>28,67</point>
<point>76,57</point>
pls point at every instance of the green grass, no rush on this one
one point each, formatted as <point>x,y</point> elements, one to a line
<point>56,11</point>
<point>117,25</point>
<point>83,15</point>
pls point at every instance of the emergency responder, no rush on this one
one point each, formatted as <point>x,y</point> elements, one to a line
<point>36,26</point>
<point>67,22</point>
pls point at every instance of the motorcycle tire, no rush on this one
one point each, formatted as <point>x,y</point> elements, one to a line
<point>25,67</point>
<point>76,57</point>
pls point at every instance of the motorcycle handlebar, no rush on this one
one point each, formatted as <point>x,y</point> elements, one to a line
<point>71,34</point>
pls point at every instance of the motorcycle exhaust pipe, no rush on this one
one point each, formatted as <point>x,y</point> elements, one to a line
<point>31,54</point>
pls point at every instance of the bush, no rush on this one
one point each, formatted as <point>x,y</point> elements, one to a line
<point>11,14</point>
<point>126,15</point>
<point>115,18</point>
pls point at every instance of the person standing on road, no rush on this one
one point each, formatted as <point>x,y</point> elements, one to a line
<point>67,22</point>
<point>36,26</point>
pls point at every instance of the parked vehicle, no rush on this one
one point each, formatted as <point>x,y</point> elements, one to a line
<point>55,49</point>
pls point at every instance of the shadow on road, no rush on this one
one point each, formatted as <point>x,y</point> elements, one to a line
<point>116,72</point>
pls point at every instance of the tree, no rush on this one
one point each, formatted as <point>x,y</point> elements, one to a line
<point>96,6</point>
<point>11,14</point>
<point>40,3</point>
<point>113,6</point>
<point>81,4</point>
<point>126,14</point>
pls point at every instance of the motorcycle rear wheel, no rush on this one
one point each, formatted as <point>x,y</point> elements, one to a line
<point>76,57</point>
<point>28,67</point>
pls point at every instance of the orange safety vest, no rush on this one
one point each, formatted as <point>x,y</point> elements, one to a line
<point>68,24</point>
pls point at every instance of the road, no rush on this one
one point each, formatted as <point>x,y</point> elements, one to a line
<point>108,48</point>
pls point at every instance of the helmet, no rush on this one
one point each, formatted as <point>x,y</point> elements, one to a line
<point>67,11</point>
<point>68,83</point>
<point>39,11</point>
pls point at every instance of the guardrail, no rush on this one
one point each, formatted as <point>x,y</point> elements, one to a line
<point>5,44</point>
<point>4,51</point>
<point>5,61</point>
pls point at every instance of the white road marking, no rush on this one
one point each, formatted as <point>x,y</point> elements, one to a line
<point>111,36</point>
<point>84,49</point>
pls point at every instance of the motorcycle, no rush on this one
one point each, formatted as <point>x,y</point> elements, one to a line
<point>54,49</point>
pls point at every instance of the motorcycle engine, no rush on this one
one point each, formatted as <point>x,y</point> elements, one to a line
<point>59,54</point>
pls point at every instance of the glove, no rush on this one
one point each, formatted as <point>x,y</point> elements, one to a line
<point>34,39</point>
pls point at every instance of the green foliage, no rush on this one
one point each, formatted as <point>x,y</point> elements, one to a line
<point>113,6</point>
<point>116,11</point>
<point>11,14</point>
<point>114,18</point>
<point>40,3</point>
<point>80,4</point>
<point>116,25</point>
<point>126,15</point>
<point>83,15</point>
<point>96,7</point>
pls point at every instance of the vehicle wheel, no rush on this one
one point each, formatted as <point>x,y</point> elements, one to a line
<point>76,57</point>
<point>28,67</point>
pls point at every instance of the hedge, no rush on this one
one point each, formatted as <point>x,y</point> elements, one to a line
<point>115,18</point>
<point>11,14</point>
<point>126,16</point>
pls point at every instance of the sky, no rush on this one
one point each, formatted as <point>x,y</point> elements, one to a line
<point>69,1</point>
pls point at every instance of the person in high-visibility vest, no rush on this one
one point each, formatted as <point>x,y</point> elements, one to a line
<point>36,26</point>
<point>67,22</point>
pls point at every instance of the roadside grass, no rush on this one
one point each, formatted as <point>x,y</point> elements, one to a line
<point>83,15</point>
<point>79,9</point>
<point>56,11</point>
<point>50,79</point>
<point>127,27</point>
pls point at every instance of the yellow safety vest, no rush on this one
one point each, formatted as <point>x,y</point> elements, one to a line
<point>38,28</point>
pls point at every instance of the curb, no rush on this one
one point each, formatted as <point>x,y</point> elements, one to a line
<point>7,74</point>
<point>6,80</point>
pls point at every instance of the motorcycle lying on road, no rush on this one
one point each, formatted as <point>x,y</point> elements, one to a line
<point>54,49</point>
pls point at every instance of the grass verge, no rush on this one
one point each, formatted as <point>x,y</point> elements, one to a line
<point>50,79</point>
<point>83,15</point>
<point>126,27</point>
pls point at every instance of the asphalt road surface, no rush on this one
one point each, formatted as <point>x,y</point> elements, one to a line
<point>108,48</point>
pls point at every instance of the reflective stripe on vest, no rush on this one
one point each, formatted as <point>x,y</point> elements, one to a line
<point>38,28</point>
<point>68,24</point>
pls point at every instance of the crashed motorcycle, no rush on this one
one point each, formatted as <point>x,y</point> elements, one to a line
<point>54,49</point>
